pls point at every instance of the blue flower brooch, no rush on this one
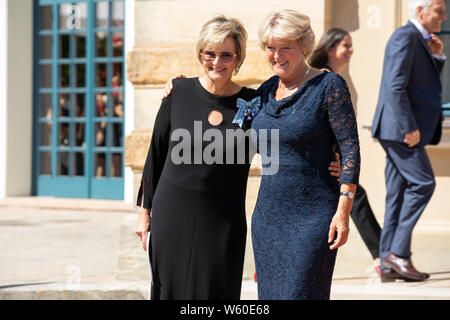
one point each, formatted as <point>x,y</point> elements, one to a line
<point>247,111</point>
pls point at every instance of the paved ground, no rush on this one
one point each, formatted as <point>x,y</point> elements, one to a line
<point>56,245</point>
<point>370,288</point>
<point>43,250</point>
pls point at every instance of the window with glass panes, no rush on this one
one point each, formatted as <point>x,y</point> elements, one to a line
<point>79,98</point>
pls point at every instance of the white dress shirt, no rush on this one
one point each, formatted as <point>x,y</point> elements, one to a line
<point>425,35</point>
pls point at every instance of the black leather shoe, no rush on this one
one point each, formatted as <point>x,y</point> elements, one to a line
<point>403,267</point>
<point>389,275</point>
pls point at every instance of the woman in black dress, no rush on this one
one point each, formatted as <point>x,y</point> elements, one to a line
<point>198,218</point>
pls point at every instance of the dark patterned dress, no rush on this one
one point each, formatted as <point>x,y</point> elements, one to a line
<point>295,206</point>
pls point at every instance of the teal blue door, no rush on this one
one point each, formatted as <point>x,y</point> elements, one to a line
<point>78,99</point>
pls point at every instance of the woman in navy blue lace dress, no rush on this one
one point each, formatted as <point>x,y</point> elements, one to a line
<point>302,213</point>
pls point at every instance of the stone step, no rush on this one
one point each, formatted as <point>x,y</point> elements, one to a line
<point>120,290</point>
<point>370,288</point>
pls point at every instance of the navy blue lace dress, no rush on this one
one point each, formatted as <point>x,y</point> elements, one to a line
<point>295,206</point>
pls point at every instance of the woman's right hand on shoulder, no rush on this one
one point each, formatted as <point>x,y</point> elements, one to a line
<point>143,226</point>
<point>169,85</point>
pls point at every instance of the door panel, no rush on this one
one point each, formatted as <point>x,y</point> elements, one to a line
<point>78,144</point>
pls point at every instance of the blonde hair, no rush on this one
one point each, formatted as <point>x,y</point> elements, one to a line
<point>290,25</point>
<point>215,31</point>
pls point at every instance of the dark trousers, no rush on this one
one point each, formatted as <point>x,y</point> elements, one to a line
<point>409,186</point>
<point>365,221</point>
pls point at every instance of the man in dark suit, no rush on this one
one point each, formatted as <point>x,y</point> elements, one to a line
<point>407,118</point>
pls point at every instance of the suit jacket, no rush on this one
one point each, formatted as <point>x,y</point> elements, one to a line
<point>410,92</point>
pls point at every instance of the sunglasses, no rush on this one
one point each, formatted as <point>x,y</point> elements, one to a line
<point>210,56</point>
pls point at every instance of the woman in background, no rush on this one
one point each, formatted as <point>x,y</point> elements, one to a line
<point>333,52</point>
